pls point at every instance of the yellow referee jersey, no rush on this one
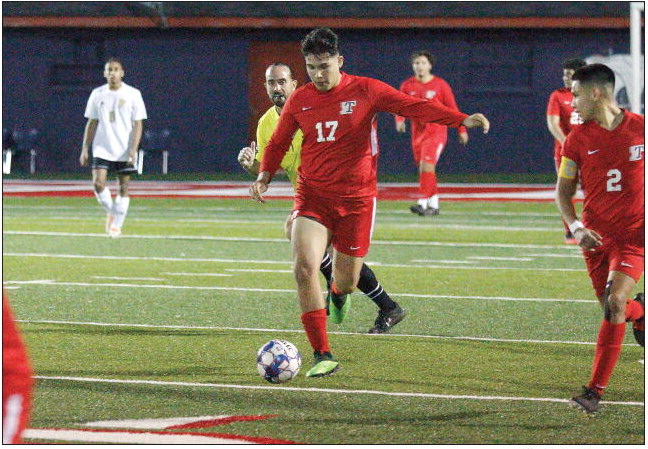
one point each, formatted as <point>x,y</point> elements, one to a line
<point>290,162</point>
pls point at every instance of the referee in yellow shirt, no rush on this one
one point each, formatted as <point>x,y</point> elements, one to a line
<point>280,85</point>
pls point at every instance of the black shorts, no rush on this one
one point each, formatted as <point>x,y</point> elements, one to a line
<point>119,167</point>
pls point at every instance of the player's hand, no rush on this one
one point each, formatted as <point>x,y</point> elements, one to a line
<point>400,127</point>
<point>259,187</point>
<point>83,159</point>
<point>463,138</point>
<point>588,239</point>
<point>246,156</point>
<point>132,158</point>
<point>477,121</point>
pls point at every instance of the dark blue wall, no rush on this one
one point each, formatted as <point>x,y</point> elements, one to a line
<point>195,84</point>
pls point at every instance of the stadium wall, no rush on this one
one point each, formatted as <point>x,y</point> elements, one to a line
<point>195,83</point>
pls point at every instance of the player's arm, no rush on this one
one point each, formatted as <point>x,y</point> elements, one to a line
<point>553,123</point>
<point>274,152</point>
<point>400,121</point>
<point>88,136</point>
<point>565,190</point>
<point>450,101</point>
<point>388,99</point>
<point>135,139</point>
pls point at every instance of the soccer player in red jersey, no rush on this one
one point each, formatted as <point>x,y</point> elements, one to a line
<point>336,190</point>
<point>428,138</point>
<point>16,379</point>
<point>561,119</point>
<point>607,150</point>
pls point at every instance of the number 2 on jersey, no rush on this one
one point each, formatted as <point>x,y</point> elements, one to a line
<point>320,132</point>
<point>614,180</point>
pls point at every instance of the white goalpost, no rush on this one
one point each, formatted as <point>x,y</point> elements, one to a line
<point>636,13</point>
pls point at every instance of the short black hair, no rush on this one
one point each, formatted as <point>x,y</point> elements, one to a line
<point>282,64</point>
<point>430,57</point>
<point>573,64</point>
<point>595,74</point>
<point>320,41</point>
<point>117,60</point>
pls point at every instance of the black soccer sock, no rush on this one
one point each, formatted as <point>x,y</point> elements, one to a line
<point>369,285</point>
<point>326,268</point>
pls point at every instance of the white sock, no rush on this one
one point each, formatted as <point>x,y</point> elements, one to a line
<point>120,209</point>
<point>105,199</point>
<point>423,203</point>
<point>433,201</point>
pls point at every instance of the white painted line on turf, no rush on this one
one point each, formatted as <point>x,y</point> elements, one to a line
<point>279,290</point>
<point>273,240</point>
<point>324,390</point>
<point>125,437</point>
<point>254,270</point>
<point>157,423</point>
<point>198,274</point>
<point>300,331</point>
<point>443,261</point>
<point>578,255</point>
<point>514,259</point>
<point>377,264</point>
<point>118,278</point>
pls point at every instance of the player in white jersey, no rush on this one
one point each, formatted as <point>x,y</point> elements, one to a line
<point>115,114</point>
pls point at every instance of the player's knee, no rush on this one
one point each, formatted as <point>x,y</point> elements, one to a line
<point>305,271</point>
<point>99,185</point>
<point>123,190</point>
<point>345,284</point>
<point>615,305</point>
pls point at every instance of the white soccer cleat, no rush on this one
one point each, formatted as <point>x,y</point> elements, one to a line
<point>109,221</point>
<point>114,232</point>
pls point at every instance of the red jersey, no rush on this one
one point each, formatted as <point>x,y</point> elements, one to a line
<point>611,165</point>
<point>560,104</point>
<point>339,150</point>
<point>435,89</point>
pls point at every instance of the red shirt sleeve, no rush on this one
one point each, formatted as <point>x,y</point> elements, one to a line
<point>553,107</point>
<point>398,118</point>
<point>386,98</point>
<point>570,148</point>
<point>280,141</point>
<point>449,100</point>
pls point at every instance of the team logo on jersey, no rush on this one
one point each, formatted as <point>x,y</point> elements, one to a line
<point>430,94</point>
<point>636,152</point>
<point>346,107</point>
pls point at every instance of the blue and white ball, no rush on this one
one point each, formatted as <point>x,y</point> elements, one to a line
<point>278,361</point>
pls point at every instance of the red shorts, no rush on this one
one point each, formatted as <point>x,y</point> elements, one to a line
<point>429,151</point>
<point>624,257</point>
<point>350,220</point>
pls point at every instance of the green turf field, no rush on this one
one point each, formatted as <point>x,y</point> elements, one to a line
<point>500,330</point>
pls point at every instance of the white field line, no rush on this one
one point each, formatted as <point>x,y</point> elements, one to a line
<point>126,438</point>
<point>579,255</point>
<point>443,261</point>
<point>254,270</point>
<point>198,274</point>
<point>377,264</point>
<point>515,259</point>
<point>118,278</point>
<point>280,290</point>
<point>272,240</point>
<point>325,390</point>
<point>300,331</point>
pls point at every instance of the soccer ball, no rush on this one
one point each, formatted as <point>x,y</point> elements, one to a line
<point>278,361</point>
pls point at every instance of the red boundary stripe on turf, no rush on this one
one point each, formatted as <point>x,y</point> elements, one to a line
<point>220,421</point>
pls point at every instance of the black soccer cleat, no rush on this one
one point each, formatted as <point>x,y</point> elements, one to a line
<point>588,401</point>
<point>419,210</point>
<point>386,320</point>
<point>640,334</point>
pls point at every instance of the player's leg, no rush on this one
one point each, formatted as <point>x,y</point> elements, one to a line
<point>309,240</point>
<point>120,206</point>
<point>101,191</point>
<point>428,204</point>
<point>326,266</point>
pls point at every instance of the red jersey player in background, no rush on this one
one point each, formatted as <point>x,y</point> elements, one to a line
<point>336,190</point>
<point>561,119</point>
<point>428,139</point>
<point>16,379</point>
<point>607,150</point>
